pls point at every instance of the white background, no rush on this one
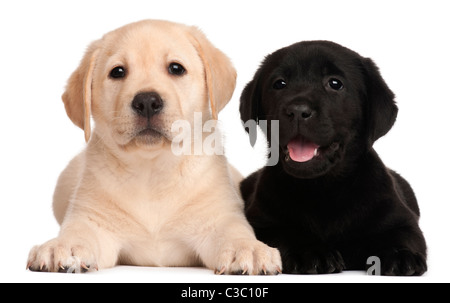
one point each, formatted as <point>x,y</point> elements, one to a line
<point>42,42</point>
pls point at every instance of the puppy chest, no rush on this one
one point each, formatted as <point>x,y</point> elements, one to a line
<point>162,237</point>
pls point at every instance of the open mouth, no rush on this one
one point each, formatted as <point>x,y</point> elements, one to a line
<point>301,149</point>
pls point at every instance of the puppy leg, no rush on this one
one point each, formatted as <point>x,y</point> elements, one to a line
<point>319,261</point>
<point>402,252</point>
<point>233,249</point>
<point>247,256</point>
<point>80,247</point>
<point>67,183</point>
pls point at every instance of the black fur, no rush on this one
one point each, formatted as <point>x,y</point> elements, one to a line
<point>334,211</point>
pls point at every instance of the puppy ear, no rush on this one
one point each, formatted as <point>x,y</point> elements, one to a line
<point>250,99</point>
<point>78,94</point>
<point>382,110</point>
<point>249,106</point>
<point>219,71</point>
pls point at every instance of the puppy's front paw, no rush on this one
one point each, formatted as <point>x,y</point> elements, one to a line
<point>250,257</point>
<point>313,262</point>
<point>58,256</point>
<point>402,263</point>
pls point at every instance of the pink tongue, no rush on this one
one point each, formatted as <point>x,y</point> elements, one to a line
<point>301,149</point>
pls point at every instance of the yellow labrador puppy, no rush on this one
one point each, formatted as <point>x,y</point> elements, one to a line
<point>127,198</point>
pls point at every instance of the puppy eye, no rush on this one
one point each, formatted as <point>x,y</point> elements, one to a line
<point>176,69</point>
<point>117,72</point>
<point>279,84</point>
<point>335,84</point>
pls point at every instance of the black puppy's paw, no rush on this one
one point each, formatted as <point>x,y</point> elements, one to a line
<point>313,262</point>
<point>402,263</point>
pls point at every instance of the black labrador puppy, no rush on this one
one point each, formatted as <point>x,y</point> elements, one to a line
<point>329,203</point>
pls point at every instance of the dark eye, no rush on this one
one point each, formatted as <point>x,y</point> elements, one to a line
<point>117,72</point>
<point>176,69</point>
<point>279,84</point>
<point>335,84</point>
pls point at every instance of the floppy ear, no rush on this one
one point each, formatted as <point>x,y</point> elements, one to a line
<point>249,106</point>
<point>77,97</point>
<point>220,73</point>
<point>250,98</point>
<point>381,107</point>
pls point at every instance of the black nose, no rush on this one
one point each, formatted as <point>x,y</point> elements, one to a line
<point>147,104</point>
<point>299,111</point>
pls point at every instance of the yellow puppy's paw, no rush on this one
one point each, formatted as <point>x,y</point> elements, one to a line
<point>248,257</point>
<point>59,256</point>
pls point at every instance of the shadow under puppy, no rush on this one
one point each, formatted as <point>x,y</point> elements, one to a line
<point>330,202</point>
<point>127,198</point>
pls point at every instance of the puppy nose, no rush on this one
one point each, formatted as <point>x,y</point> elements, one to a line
<point>299,111</point>
<point>147,104</point>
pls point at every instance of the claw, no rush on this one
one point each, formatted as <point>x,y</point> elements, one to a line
<point>264,270</point>
<point>245,270</point>
<point>28,265</point>
<point>61,266</point>
<point>220,272</point>
<point>42,265</point>
<point>279,270</point>
<point>83,265</point>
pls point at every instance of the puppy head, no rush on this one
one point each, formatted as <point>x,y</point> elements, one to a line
<point>139,79</point>
<point>331,103</point>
